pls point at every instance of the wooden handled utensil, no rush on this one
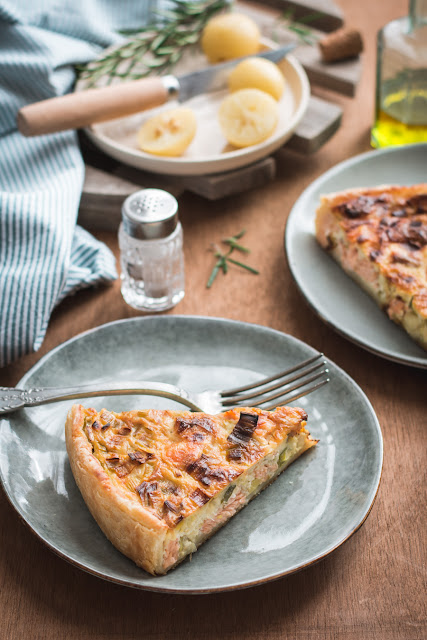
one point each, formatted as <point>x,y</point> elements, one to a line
<point>77,110</point>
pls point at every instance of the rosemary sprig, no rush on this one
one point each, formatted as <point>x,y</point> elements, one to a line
<point>304,33</point>
<point>154,48</point>
<point>224,258</point>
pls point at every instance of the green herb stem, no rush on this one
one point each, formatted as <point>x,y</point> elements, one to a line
<point>224,258</point>
<point>236,245</point>
<point>244,266</point>
<point>213,275</point>
<point>304,33</point>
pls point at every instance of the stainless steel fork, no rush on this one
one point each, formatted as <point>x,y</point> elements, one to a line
<point>282,388</point>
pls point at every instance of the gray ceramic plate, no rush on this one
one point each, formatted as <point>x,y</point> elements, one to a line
<point>338,300</point>
<point>312,508</point>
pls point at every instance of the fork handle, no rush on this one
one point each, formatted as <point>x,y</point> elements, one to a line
<point>12,399</point>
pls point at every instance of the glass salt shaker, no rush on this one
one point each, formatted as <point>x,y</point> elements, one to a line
<point>152,260</point>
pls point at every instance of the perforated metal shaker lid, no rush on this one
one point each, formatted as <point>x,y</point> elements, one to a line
<point>150,214</point>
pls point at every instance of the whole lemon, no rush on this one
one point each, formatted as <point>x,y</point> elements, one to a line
<point>257,73</point>
<point>230,35</point>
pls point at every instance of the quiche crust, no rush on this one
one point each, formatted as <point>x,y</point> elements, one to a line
<point>160,483</point>
<point>378,236</point>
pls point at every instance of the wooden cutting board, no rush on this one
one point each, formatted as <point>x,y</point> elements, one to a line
<point>109,182</point>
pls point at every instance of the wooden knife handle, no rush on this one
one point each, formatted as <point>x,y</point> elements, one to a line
<point>80,109</point>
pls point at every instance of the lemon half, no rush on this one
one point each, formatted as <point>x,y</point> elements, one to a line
<point>168,133</point>
<point>248,117</point>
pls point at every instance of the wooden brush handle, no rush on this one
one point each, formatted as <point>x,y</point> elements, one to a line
<point>80,109</point>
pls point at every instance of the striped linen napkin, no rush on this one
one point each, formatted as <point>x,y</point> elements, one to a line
<point>44,256</point>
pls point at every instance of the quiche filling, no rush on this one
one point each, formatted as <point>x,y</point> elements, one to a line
<point>379,237</point>
<point>188,473</point>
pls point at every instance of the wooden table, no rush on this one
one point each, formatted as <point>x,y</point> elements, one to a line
<point>373,587</point>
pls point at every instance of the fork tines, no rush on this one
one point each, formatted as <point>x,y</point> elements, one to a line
<point>300,374</point>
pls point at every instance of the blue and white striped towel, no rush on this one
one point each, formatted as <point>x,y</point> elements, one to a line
<point>44,256</point>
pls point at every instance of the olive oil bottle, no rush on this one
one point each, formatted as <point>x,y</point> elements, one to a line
<point>401,84</point>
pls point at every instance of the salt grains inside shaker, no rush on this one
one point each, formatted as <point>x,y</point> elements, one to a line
<point>151,255</point>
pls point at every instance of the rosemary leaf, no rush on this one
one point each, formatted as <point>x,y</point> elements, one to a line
<point>154,64</point>
<point>191,39</point>
<point>213,275</point>
<point>127,53</point>
<point>232,242</point>
<point>304,33</point>
<point>165,51</point>
<point>175,57</point>
<point>240,234</point>
<point>244,266</point>
<point>236,245</point>
<point>157,42</point>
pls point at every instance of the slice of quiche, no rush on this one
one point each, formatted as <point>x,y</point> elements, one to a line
<point>159,483</point>
<point>379,237</point>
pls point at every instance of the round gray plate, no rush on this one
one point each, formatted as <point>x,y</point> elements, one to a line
<point>311,509</point>
<point>338,300</point>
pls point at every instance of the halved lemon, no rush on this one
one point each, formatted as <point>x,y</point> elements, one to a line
<point>168,133</point>
<point>248,117</point>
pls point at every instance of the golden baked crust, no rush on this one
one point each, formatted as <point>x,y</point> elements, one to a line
<point>159,483</point>
<point>379,237</point>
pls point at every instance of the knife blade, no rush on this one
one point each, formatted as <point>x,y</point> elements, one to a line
<point>214,78</point>
<point>83,108</point>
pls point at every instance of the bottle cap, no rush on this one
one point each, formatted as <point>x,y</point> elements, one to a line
<point>150,214</point>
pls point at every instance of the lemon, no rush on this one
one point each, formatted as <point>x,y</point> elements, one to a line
<point>257,73</point>
<point>230,35</point>
<point>168,133</point>
<point>248,116</point>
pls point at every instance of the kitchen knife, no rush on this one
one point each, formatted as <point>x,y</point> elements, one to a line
<point>80,109</point>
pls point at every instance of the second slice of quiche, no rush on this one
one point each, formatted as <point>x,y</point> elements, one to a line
<point>378,235</point>
<point>159,483</point>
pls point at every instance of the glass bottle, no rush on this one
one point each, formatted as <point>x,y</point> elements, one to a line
<point>151,255</point>
<point>401,85</point>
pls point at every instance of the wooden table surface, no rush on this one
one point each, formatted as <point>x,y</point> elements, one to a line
<point>372,587</point>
